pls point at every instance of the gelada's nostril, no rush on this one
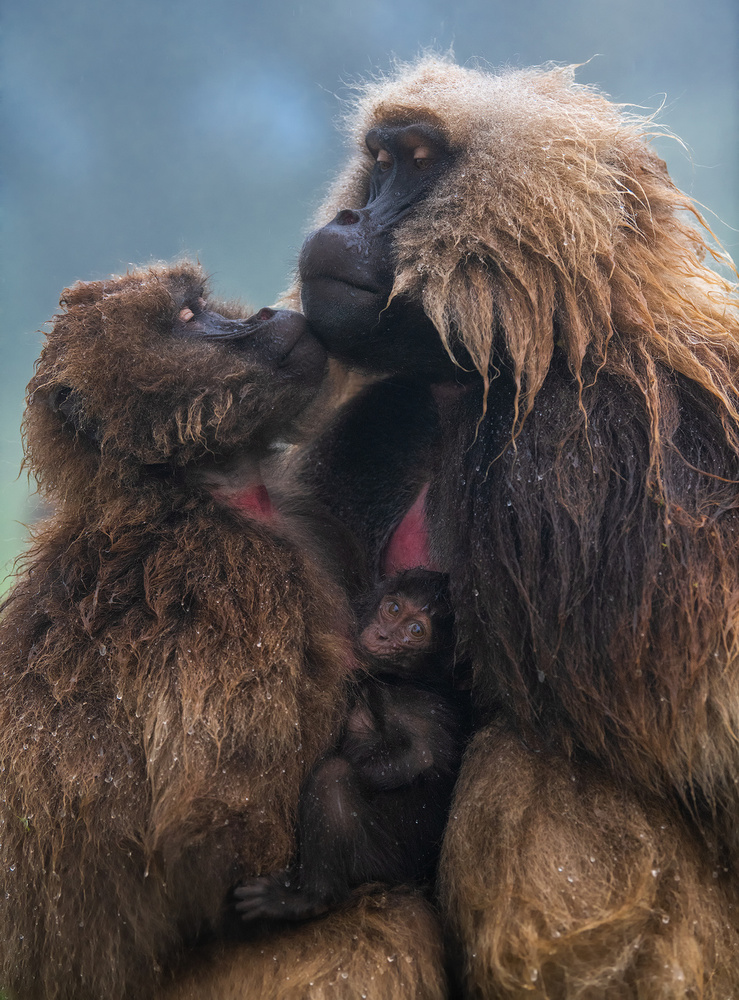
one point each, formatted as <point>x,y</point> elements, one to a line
<point>347,217</point>
<point>265,313</point>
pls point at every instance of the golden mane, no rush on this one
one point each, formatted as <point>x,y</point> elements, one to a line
<point>577,238</point>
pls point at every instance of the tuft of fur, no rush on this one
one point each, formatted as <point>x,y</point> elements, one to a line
<point>387,945</point>
<point>170,669</point>
<point>564,885</point>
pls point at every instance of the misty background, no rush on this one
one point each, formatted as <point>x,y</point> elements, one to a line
<point>147,129</point>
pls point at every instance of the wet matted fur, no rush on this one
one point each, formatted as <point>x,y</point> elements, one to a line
<point>170,668</point>
<point>584,501</point>
<point>385,946</point>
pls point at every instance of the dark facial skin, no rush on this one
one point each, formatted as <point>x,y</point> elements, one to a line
<point>277,338</point>
<point>347,268</point>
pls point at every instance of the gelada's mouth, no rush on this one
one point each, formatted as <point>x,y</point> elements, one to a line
<point>346,281</point>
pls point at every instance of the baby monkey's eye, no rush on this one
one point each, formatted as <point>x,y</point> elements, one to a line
<point>416,629</point>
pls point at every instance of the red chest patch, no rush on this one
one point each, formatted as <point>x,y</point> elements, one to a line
<point>254,502</point>
<point>408,547</point>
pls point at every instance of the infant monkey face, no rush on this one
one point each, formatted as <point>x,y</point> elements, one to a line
<point>400,627</point>
<point>407,628</point>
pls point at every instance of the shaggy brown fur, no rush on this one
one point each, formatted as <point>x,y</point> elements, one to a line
<point>170,669</point>
<point>584,503</point>
<point>385,947</point>
<point>563,884</point>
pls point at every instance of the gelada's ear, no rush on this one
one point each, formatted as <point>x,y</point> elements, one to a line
<point>69,405</point>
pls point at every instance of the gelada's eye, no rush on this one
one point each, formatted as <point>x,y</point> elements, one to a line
<point>423,157</point>
<point>417,630</point>
<point>392,608</point>
<point>190,312</point>
<point>384,160</point>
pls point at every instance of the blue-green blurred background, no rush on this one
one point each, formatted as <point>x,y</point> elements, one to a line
<point>141,129</point>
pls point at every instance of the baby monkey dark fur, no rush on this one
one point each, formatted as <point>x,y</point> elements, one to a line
<point>374,810</point>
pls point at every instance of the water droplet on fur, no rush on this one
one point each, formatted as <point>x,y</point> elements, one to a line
<point>541,676</point>
<point>103,650</point>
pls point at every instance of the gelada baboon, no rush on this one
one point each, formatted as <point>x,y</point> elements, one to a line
<point>558,431</point>
<point>374,809</point>
<point>172,661</point>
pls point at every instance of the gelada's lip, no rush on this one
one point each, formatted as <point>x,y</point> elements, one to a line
<point>335,279</point>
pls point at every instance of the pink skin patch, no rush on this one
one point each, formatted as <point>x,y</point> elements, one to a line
<point>408,547</point>
<point>254,502</point>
